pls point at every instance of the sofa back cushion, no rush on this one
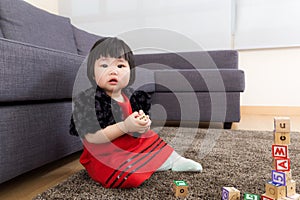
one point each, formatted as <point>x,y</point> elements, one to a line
<point>23,22</point>
<point>84,40</point>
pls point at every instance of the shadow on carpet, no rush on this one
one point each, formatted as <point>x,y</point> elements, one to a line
<point>240,159</point>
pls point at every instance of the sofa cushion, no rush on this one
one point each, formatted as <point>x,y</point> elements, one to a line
<point>84,40</point>
<point>23,22</point>
<point>201,80</point>
<point>222,59</point>
<point>1,34</point>
<point>35,73</point>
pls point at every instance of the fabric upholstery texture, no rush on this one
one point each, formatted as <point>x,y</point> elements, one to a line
<point>204,80</point>
<point>84,40</point>
<point>22,22</point>
<point>32,135</point>
<point>35,73</point>
<point>223,59</point>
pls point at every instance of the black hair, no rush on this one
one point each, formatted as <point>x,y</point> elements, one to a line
<point>110,47</point>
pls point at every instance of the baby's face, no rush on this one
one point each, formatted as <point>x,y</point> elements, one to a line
<point>112,74</point>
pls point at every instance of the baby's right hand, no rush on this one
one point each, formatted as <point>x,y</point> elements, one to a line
<point>134,124</point>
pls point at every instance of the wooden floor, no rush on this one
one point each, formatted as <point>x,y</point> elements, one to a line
<point>30,184</point>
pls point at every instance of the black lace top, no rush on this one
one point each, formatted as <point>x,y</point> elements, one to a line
<point>94,109</point>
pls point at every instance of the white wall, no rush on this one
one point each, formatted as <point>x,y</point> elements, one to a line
<point>272,75</point>
<point>48,5</point>
<point>203,21</point>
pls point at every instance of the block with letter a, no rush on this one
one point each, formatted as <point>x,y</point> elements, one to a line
<point>282,164</point>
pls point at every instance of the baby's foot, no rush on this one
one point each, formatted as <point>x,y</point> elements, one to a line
<point>186,165</point>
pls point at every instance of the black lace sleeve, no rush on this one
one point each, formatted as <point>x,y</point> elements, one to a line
<point>84,119</point>
<point>141,100</point>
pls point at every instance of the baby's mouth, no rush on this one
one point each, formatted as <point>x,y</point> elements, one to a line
<point>113,81</point>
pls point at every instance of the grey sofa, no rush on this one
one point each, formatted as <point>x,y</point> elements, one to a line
<point>40,55</point>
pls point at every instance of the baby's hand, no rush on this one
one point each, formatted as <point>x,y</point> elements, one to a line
<point>144,121</point>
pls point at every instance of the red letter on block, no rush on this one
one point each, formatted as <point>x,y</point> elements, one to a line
<point>263,197</point>
<point>282,165</point>
<point>280,151</point>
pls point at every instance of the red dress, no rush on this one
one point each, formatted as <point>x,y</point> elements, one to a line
<point>127,161</point>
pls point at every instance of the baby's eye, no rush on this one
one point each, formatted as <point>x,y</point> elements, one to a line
<point>121,66</point>
<point>104,65</point>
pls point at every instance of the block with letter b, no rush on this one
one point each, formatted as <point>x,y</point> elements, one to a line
<point>282,124</point>
<point>230,193</point>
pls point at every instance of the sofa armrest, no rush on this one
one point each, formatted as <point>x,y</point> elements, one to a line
<point>29,73</point>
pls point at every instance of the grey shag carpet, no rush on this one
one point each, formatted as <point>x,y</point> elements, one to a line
<point>241,159</point>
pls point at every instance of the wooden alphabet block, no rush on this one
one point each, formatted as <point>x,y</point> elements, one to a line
<point>282,164</point>
<point>275,191</point>
<point>282,124</point>
<point>180,188</point>
<point>294,197</point>
<point>282,138</point>
<point>251,196</point>
<point>278,177</point>
<point>291,188</point>
<point>230,193</point>
<point>279,151</point>
<point>265,197</point>
<point>288,176</point>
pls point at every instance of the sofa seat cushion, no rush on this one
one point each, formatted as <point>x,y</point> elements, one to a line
<point>23,22</point>
<point>199,80</point>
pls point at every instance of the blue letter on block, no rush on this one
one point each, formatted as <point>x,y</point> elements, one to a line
<point>278,177</point>
<point>225,194</point>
